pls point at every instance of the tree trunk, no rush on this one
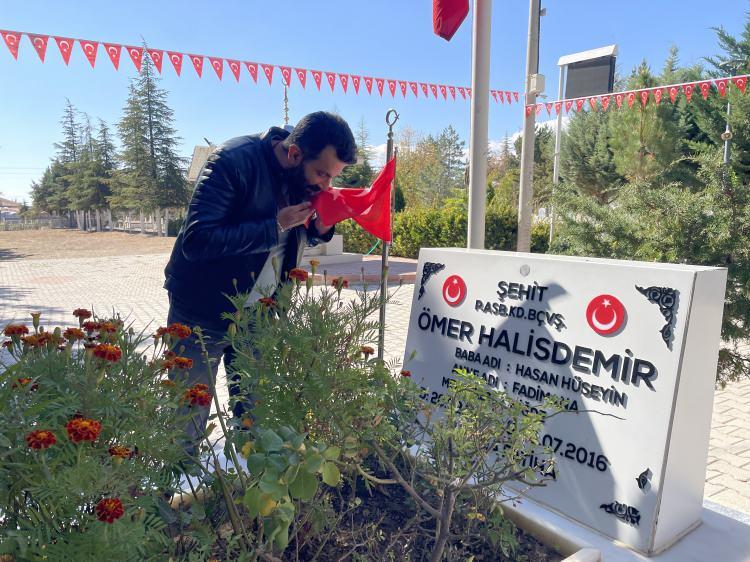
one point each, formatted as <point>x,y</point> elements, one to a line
<point>109,220</point>
<point>143,223</point>
<point>98,220</point>
<point>166,222</point>
<point>157,221</point>
<point>127,223</point>
<point>79,226</point>
<point>443,525</point>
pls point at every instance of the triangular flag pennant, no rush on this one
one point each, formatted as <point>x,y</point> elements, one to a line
<point>433,89</point>
<point>157,57</point>
<point>658,93</point>
<point>644,97</point>
<point>673,91</point>
<point>443,92</point>
<point>286,75</point>
<point>268,71</point>
<point>301,76</point>
<point>176,60</point>
<point>568,105</point>
<point>721,85</point>
<point>740,82</point>
<point>379,82</point>
<point>368,84</point>
<point>688,90</point>
<point>425,89</point>
<point>462,91</point>
<point>39,43</point>
<point>618,100</point>
<point>705,89</point>
<point>548,106</point>
<point>218,65</point>
<point>468,91</point>
<point>317,77</point>
<point>355,82</point>
<point>605,102</point>
<point>515,96</point>
<point>252,68</point>
<point>528,110</point>
<point>234,66</point>
<point>65,44</point>
<point>392,87</point>
<point>136,55</point>
<point>494,95</point>
<point>403,86</point>
<point>452,91</point>
<point>370,207</point>
<point>558,107</point>
<point>89,49</point>
<point>331,77</point>
<point>197,64</point>
<point>579,104</point>
<point>631,99</point>
<point>414,89</point>
<point>593,102</point>
<point>13,40</point>
<point>344,81</point>
<point>508,97</point>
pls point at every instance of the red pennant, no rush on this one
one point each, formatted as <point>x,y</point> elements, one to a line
<point>434,90</point>
<point>13,40</point>
<point>515,96</point>
<point>593,102</point>
<point>197,64</point>
<point>344,80</point>
<point>392,87</point>
<point>568,105</point>
<point>252,68</point>
<point>403,86</point>
<point>528,109</point>
<point>379,82</point>
<point>579,104</point>
<point>65,45</point>
<point>548,106</point>
<point>425,89</point>
<point>368,84</point>
<point>631,99</point>
<point>468,91</point>
<point>462,91</point>
<point>268,71</point>
<point>331,77</point>
<point>218,65</point>
<point>286,75</point>
<point>539,107</point>
<point>447,16</point>
<point>658,93</point>
<point>414,89</point>
<point>705,89</point>
<point>317,77</point>
<point>688,89</point>
<point>234,66</point>
<point>452,91</point>
<point>673,91</point>
<point>558,107</point>
<point>644,97</point>
<point>443,91</point>
<point>508,97</point>
<point>740,83</point>
<point>355,82</point>
<point>301,76</point>
<point>618,100</point>
<point>157,57</point>
<point>176,60</point>
<point>721,85</point>
<point>494,95</point>
<point>136,55</point>
<point>605,102</point>
<point>39,43</point>
<point>89,49</point>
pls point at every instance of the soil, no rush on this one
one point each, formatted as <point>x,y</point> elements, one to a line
<point>64,244</point>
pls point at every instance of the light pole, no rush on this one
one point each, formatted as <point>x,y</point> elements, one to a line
<point>732,67</point>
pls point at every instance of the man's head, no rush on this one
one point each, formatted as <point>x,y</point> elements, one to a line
<point>319,148</point>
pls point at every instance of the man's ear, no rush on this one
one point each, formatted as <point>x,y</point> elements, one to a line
<point>294,154</point>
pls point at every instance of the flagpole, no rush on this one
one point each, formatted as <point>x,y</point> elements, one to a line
<point>390,119</point>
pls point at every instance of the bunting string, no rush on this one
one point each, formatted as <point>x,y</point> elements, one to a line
<point>341,80</point>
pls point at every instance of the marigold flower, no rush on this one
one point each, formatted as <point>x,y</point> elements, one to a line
<point>108,352</point>
<point>109,510</point>
<point>40,439</point>
<point>83,429</point>
<point>33,340</point>
<point>198,395</point>
<point>82,313</point>
<point>121,451</point>
<point>15,330</point>
<point>340,283</point>
<point>405,373</point>
<point>108,327</point>
<point>179,331</point>
<point>298,274</point>
<point>90,326</point>
<point>314,263</point>
<point>268,302</point>
<point>182,363</point>
<point>8,343</point>
<point>73,334</point>
<point>367,350</point>
<point>23,381</point>
<point>160,332</point>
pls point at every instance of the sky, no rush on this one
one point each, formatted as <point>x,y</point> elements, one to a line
<point>383,38</point>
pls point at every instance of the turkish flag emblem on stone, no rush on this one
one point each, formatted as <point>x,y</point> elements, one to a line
<point>605,315</point>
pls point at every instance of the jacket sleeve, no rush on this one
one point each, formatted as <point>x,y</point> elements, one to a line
<point>209,232</point>
<point>314,237</point>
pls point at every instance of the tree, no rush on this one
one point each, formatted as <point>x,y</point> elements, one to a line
<point>359,174</point>
<point>67,150</point>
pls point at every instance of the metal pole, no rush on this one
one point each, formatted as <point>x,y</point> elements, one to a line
<point>480,104</point>
<point>727,136</point>
<point>390,119</point>
<point>556,165</point>
<point>526,189</point>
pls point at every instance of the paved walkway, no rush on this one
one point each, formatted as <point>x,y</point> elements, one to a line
<point>132,285</point>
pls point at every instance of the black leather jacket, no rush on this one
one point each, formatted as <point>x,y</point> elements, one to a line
<point>230,228</point>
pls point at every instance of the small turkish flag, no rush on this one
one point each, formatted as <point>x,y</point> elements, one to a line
<point>579,104</point>
<point>414,89</point>
<point>508,96</point>
<point>380,83</point>
<point>425,89</point>
<point>443,91</point>
<point>301,76</point>
<point>136,55</point>
<point>197,61</point>
<point>368,84</point>
<point>268,71</point>
<point>157,57</point>
<point>631,99</point>
<point>705,89</point>
<point>176,60</point>
<point>721,85</point>
<point>558,107</point>
<point>234,66</point>
<point>344,80</point>
<point>618,100</point>
<point>331,77</point>
<point>740,82</point>
<point>286,75</point>
<point>528,109</point>
<point>65,45</point>
<point>40,44</point>
<point>673,91</point>
<point>658,93</point>
<point>644,97</point>
<point>568,105</point>
<point>252,68</point>
<point>403,86</point>
<point>13,39</point>
<point>688,89</point>
<point>218,65</point>
<point>355,82</point>
<point>593,101</point>
<point>392,87</point>
<point>317,77</point>
<point>605,102</point>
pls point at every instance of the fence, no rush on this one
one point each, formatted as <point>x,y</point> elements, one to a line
<point>7,224</point>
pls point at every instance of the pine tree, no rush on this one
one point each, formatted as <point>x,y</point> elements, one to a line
<point>67,150</point>
<point>361,173</point>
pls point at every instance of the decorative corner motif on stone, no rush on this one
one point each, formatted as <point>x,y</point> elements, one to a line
<point>668,300</point>
<point>623,512</point>
<point>644,478</point>
<point>428,270</point>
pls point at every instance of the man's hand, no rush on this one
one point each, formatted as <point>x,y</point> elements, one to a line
<point>294,215</point>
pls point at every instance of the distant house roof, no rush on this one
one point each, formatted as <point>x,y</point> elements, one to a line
<point>200,155</point>
<point>6,205</point>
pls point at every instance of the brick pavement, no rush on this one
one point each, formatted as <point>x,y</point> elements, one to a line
<point>132,285</point>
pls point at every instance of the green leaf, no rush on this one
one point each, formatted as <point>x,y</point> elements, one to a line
<point>331,474</point>
<point>270,441</point>
<point>314,462</point>
<point>304,486</point>
<point>253,498</point>
<point>332,453</point>
<point>291,473</point>
<point>270,485</point>
<point>256,463</point>
<point>277,462</point>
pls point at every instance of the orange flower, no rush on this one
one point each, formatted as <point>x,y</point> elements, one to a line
<point>82,313</point>
<point>8,343</point>
<point>40,439</point>
<point>179,331</point>
<point>108,327</point>
<point>15,330</point>
<point>109,510</point>
<point>33,340</point>
<point>340,283</point>
<point>367,350</point>
<point>160,332</point>
<point>405,373</point>
<point>182,363</point>
<point>23,381</point>
<point>268,302</point>
<point>298,274</point>
<point>198,395</point>
<point>314,263</point>
<point>108,352</point>
<point>82,429</point>
<point>121,451</point>
<point>73,334</point>
<point>90,326</point>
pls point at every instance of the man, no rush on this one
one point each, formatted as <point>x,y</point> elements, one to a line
<point>248,211</point>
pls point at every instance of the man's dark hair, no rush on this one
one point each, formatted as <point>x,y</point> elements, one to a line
<point>317,130</point>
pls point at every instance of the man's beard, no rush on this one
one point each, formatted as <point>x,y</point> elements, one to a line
<point>297,184</point>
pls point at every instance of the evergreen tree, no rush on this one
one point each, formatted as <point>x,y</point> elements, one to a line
<point>361,173</point>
